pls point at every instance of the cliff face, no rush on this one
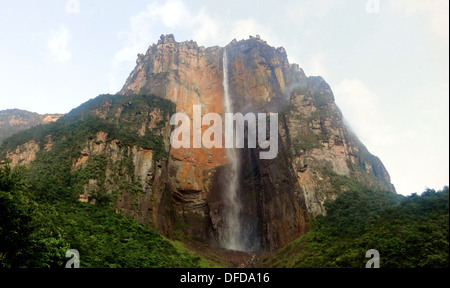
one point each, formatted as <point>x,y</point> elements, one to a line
<point>326,157</point>
<point>111,150</point>
<point>318,156</point>
<point>183,189</point>
<point>187,75</point>
<point>15,120</point>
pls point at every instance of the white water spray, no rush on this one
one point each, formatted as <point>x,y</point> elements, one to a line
<point>231,238</point>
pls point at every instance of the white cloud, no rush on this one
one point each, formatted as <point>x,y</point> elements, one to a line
<point>174,16</point>
<point>205,29</point>
<point>402,146</point>
<point>73,6</point>
<point>361,109</point>
<point>243,28</point>
<point>300,12</point>
<point>436,11</point>
<point>58,44</point>
<point>363,113</point>
<point>316,65</point>
<point>380,124</point>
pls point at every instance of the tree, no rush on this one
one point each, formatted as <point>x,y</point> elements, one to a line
<point>16,214</point>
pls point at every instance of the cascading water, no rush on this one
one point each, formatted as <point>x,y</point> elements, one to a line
<point>231,238</point>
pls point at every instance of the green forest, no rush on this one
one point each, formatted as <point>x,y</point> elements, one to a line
<point>41,217</point>
<point>408,232</point>
<point>37,233</point>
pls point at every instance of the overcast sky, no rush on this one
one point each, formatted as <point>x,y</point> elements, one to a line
<point>386,60</point>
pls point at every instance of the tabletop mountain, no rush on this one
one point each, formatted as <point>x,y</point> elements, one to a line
<point>115,149</point>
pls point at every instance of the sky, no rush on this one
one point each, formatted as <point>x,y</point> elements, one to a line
<point>387,61</point>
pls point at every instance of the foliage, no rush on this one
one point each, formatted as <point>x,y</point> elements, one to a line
<point>321,100</point>
<point>307,141</point>
<point>105,239</point>
<point>52,177</point>
<point>408,232</point>
<point>84,122</point>
<point>341,183</point>
<point>38,234</point>
<point>41,217</point>
<point>354,212</point>
<point>16,212</point>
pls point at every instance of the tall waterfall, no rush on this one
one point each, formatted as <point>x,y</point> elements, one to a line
<point>231,238</point>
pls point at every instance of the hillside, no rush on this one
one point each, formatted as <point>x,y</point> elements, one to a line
<point>47,193</point>
<point>408,232</point>
<point>116,148</point>
<point>318,156</point>
<point>104,178</point>
<point>15,120</point>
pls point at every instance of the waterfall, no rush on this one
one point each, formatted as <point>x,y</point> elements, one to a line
<point>231,238</point>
